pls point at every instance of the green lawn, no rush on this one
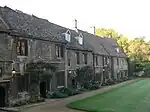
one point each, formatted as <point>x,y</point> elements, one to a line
<point>134,97</point>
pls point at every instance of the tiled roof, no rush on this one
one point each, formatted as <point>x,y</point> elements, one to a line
<point>32,26</point>
<point>111,45</point>
<point>94,43</point>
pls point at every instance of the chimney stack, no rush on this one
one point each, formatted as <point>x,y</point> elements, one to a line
<point>94,30</point>
<point>76,23</point>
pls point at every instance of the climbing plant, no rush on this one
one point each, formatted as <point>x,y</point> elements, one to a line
<point>40,70</point>
<point>84,75</point>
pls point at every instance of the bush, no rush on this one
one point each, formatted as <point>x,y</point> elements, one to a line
<point>83,90</point>
<point>147,69</point>
<point>58,94</point>
<point>67,91</point>
<point>91,85</point>
<point>70,91</point>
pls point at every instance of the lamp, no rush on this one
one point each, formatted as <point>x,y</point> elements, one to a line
<point>13,71</point>
<point>70,71</point>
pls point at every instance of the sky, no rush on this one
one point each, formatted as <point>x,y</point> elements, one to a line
<point>128,17</point>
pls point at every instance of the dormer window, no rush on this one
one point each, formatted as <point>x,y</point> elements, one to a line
<point>117,49</point>
<point>80,39</point>
<point>68,36</point>
<point>22,47</point>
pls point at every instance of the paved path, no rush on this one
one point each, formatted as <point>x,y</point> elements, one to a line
<point>60,105</point>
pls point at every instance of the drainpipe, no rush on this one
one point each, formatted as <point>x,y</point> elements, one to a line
<point>94,64</point>
<point>66,68</point>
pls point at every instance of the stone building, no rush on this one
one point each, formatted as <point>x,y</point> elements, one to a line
<point>26,38</point>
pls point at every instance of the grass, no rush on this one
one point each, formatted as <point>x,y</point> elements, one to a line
<point>134,97</point>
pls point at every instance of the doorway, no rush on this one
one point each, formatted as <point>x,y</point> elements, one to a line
<point>73,83</point>
<point>2,96</point>
<point>43,89</point>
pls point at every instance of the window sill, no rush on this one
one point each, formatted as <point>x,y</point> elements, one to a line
<point>98,66</point>
<point>59,58</point>
<point>22,57</point>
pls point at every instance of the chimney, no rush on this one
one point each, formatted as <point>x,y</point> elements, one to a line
<point>76,24</point>
<point>94,30</point>
<point>76,27</point>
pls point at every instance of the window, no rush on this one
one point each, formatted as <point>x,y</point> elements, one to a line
<point>80,39</point>
<point>50,51</point>
<point>105,60</point>
<point>59,51</point>
<point>85,58</point>
<point>78,57</point>
<point>68,36</point>
<point>0,71</point>
<point>117,61</point>
<point>22,47</point>
<point>96,60</point>
<point>69,62</point>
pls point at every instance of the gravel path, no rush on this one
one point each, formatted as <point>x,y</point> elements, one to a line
<point>60,105</point>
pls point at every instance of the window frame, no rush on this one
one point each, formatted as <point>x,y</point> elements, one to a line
<point>69,62</point>
<point>96,60</point>
<point>77,58</point>
<point>59,51</point>
<point>1,71</point>
<point>22,43</point>
<point>118,61</point>
<point>85,58</point>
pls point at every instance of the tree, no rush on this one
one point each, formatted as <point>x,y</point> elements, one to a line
<point>124,43</point>
<point>136,49</point>
<point>139,49</point>
<point>109,33</point>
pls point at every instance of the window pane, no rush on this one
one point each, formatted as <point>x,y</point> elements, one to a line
<point>117,61</point>
<point>69,62</point>
<point>85,58</point>
<point>57,50</point>
<point>78,57</point>
<point>22,47</point>
<point>62,51</point>
<point>96,60</point>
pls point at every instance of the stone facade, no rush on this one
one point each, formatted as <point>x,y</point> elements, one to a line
<point>35,39</point>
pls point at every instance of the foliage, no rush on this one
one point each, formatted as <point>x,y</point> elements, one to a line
<point>70,91</point>
<point>111,33</point>
<point>84,74</point>
<point>139,50</point>
<point>41,69</point>
<point>147,69</point>
<point>91,85</point>
<point>136,49</point>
